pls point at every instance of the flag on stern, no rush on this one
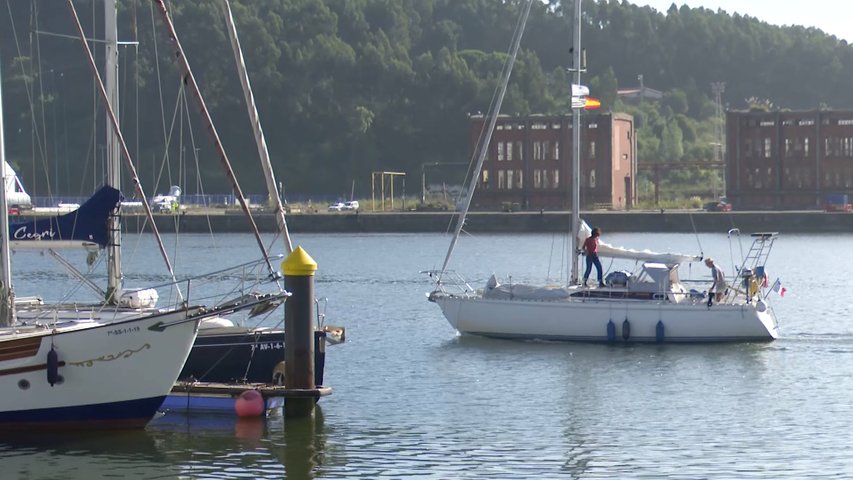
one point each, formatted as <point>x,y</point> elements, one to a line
<point>778,288</point>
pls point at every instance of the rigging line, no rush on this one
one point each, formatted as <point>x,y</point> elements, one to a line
<point>189,79</point>
<point>522,20</point>
<point>469,173</point>
<point>159,77</point>
<point>550,256</point>
<point>27,82</point>
<point>696,233</point>
<point>43,141</point>
<point>126,154</point>
<point>167,137</point>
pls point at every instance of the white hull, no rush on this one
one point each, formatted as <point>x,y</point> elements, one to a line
<point>587,320</point>
<point>112,374</point>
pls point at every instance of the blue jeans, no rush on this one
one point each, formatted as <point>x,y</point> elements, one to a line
<point>592,259</point>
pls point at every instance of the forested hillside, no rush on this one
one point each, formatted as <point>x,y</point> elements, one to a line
<point>345,88</point>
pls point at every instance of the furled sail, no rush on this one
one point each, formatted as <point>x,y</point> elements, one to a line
<point>609,251</point>
<point>86,226</point>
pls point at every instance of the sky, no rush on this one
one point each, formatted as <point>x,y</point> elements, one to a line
<point>834,17</point>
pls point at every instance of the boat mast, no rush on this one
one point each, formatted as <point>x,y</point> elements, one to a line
<point>7,294</point>
<point>576,147</point>
<point>113,121</point>
<point>113,153</point>
<point>274,200</point>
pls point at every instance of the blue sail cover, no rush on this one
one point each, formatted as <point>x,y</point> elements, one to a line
<point>86,224</point>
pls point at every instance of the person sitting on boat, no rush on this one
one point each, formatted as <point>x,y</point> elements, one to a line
<point>718,288</point>
<point>590,247</point>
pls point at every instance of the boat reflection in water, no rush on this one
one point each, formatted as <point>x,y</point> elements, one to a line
<point>173,446</point>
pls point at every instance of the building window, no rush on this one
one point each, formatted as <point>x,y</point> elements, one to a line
<point>537,178</point>
<point>592,178</point>
<point>556,150</point>
<point>556,178</point>
<point>501,179</point>
<point>518,182</point>
<point>767,150</point>
<point>537,151</point>
<point>787,147</point>
<point>520,147</point>
<point>509,179</point>
<point>501,151</point>
<point>592,149</point>
<point>508,151</point>
<point>485,179</point>
<point>806,147</point>
<point>546,150</point>
<point>545,180</point>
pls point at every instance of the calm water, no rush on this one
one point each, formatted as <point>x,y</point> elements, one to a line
<point>413,400</point>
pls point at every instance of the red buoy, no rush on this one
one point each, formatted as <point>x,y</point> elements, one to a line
<point>249,404</point>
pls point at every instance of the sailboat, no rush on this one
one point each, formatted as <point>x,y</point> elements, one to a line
<point>652,304</point>
<point>72,368</point>
<point>109,363</point>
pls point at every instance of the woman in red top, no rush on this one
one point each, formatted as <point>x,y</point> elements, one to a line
<point>590,246</point>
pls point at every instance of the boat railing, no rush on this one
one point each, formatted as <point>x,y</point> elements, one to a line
<point>449,282</point>
<point>243,284</point>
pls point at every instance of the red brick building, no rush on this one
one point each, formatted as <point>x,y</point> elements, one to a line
<point>788,160</point>
<point>529,162</point>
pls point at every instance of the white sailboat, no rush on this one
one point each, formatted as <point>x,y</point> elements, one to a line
<point>63,368</point>
<point>651,305</point>
<point>107,364</point>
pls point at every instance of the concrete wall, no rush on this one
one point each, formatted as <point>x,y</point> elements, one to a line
<point>517,222</point>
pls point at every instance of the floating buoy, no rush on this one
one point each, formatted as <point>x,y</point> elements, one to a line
<point>52,367</point>
<point>659,331</point>
<point>626,329</point>
<point>611,331</point>
<point>249,404</point>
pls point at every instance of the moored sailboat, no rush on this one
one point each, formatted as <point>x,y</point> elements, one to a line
<point>68,368</point>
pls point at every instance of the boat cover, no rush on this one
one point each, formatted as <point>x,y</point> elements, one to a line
<point>522,291</point>
<point>86,225</point>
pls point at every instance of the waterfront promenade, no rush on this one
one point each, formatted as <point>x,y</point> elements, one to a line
<point>515,222</point>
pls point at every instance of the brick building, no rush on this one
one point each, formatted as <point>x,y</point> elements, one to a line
<point>529,162</point>
<point>788,160</point>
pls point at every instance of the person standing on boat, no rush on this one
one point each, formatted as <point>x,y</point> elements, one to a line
<point>718,288</point>
<point>590,247</point>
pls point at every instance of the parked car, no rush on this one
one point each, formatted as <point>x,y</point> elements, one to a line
<point>719,206</point>
<point>336,207</point>
<point>353,205</point>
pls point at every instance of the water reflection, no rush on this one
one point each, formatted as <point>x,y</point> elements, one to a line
<point>230,447</point>
<point>173,446</point>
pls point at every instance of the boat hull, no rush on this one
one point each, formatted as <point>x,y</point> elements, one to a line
<point>587,320</point>
<point>242,356</point>
<point>107,375</point>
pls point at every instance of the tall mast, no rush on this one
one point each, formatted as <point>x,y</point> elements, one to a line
<point>113,153</point>
<point>7,295</point>
<point>274,199</point>
<point>576,147</point>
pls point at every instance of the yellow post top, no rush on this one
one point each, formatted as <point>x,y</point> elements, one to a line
<point>299,264</point>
